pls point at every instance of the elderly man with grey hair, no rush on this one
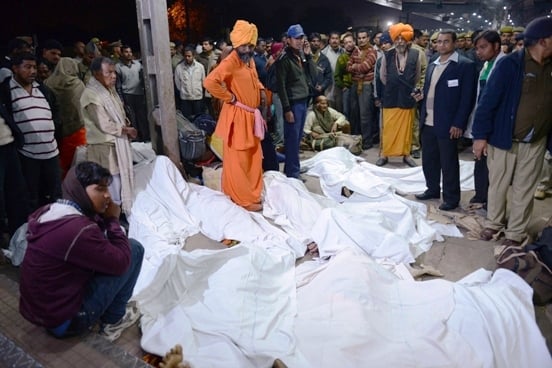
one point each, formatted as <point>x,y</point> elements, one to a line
<point>108,133</point>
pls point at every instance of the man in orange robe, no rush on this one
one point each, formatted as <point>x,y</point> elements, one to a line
<point>235,82</point>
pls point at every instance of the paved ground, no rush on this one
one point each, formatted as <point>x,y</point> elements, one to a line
<point>24,345</point>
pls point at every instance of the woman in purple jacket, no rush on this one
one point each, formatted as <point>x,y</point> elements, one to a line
<point>80,267</point>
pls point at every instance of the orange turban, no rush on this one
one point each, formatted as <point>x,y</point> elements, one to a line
<point>243,33</point>
<point>400,29</point>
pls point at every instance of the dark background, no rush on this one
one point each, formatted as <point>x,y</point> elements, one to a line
<point>72,20</point>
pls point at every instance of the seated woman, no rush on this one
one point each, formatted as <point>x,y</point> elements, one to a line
<point>322,124</point>
<point>80,268</point>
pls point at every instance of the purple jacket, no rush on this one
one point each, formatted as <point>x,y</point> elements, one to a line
<point>63,254</point>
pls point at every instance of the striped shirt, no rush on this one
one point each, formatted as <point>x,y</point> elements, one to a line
<point>32,114</point>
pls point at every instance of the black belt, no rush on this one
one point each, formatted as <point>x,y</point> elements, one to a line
<point>515,140</point>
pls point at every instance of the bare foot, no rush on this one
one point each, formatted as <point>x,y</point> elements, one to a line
<point>255,207</point>
<point>174,359</point>
<point>346,192</point>
<point>312,249</point>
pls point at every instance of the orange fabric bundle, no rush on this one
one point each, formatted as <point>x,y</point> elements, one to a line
<point>243,33</point>
<point>401,29</point>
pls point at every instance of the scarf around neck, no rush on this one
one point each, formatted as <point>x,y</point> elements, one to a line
<point>323,120</point>
<point>113,105</point>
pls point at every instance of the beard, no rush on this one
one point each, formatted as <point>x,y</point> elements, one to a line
<point>401,49</point>
<point>245,56</point>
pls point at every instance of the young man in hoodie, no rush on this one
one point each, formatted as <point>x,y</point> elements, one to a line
<point>80,267</point>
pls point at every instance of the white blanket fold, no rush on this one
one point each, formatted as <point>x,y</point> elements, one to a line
<point>247,305</point>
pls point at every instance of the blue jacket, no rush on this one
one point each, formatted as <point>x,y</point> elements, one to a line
<point>495,115</point>
<point>455,94</point>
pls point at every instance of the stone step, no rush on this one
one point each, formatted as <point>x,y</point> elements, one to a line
<point>23,344</point>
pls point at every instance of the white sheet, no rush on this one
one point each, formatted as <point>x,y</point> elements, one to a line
<point>337,167</point>
<point>353,313</point>
<point>232,308</point>
<point>383,224</point>
<point>247,305</point>
<point>240,308</point>
<point>167,210</point>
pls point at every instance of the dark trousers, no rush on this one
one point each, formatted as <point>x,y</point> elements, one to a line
<point>362,113</point>
<point>270,161</point>
<point>137,103</point>
<point>293,133</point>
<point>441,156</point>
<point>208,103</point>
<point>481,180</point>
<point>13,188</point>
<point>106,296</point>
<point>43,179</point>
<point>190,108</point>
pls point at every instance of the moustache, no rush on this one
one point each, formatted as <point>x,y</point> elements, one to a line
<point>245,56</point>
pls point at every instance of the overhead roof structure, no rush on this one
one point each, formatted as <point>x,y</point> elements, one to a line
<point>471,14</point>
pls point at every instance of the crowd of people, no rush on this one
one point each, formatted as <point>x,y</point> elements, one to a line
<point>80,267</point>
<point>402,90</point>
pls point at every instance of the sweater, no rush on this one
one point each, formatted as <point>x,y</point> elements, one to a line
<point>65,250</point>
<point>295,78</point>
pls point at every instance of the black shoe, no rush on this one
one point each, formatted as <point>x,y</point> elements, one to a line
<point>427,195</point>
<point>381,161</point>
<point>367,146</point>
<point>416,154</point>
<point>475,199</point>
<point>447,206</point>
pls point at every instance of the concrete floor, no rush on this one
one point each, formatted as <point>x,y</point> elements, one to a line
<point>25,345</point>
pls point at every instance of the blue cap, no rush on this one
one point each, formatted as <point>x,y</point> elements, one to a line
<point>295,31</point>
<point>538,28</point>
<point>385,38</point>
